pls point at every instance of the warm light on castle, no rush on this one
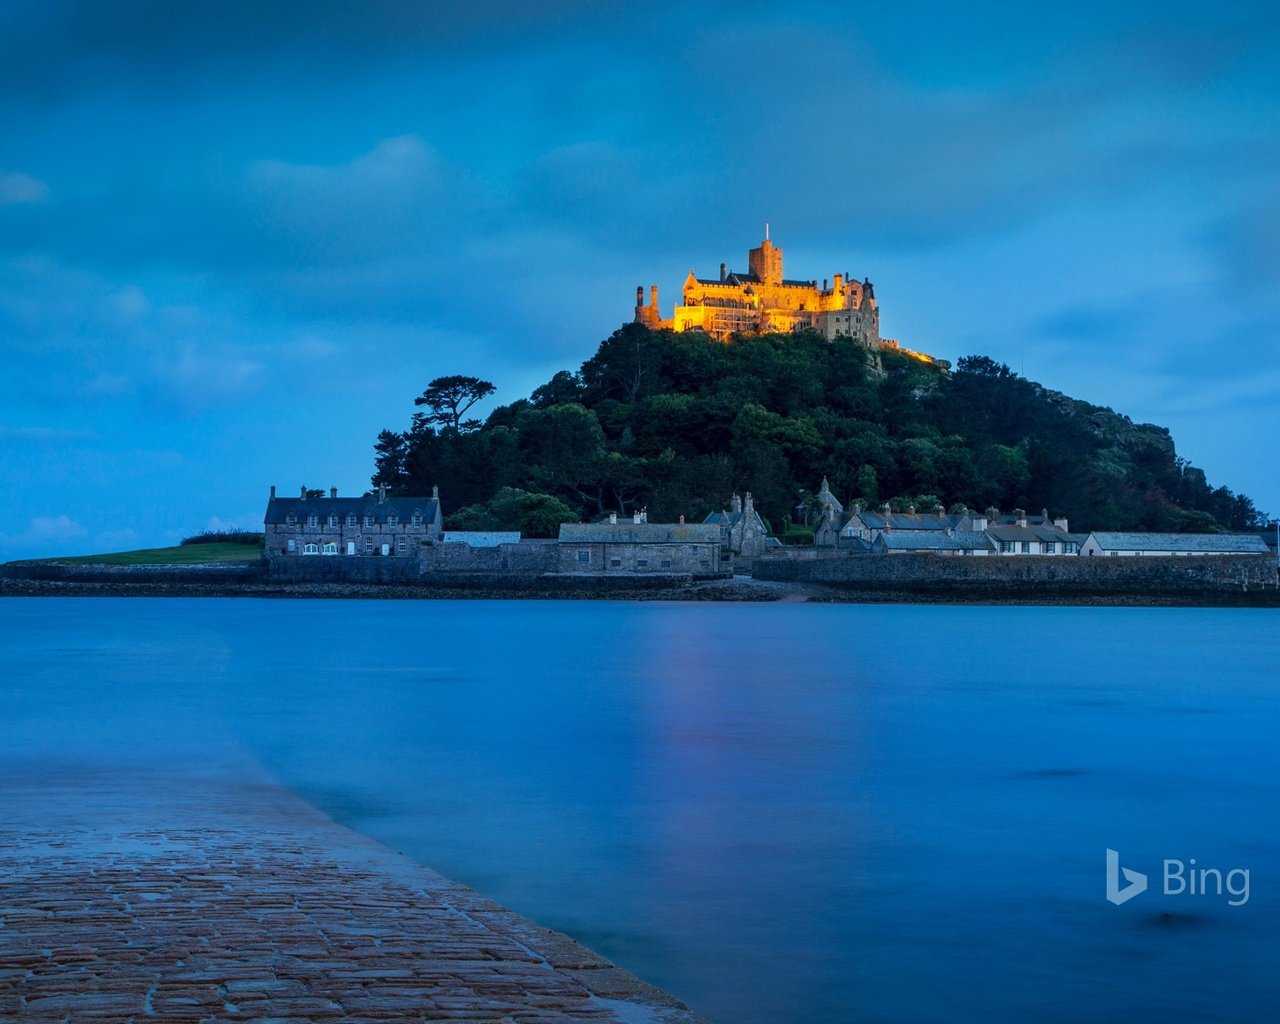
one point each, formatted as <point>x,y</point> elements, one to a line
<point>762,301</point>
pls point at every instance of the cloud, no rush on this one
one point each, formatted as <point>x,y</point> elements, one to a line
<point>21,188</point>
<point>197,378</point>
<point>50,528</point>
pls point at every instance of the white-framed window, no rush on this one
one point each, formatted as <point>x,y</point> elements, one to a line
<point>351,520</point>
<point>1026,547</point>
<point>331,548</point>
<point>393,520</point>
<point>584,556</point>
<point>1049,547</point>
<point>313,520</point>
<point>402,544</point>
<point>310,549</point>
<point>368,520</point>
<point>417,519</point>
<point>368,545</point>
<point>291,519</point>
<point>333,521</point>
<point>293,546</point>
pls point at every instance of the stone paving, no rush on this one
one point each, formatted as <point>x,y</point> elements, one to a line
<point>146,896</point>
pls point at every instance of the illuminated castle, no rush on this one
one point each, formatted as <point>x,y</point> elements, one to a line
<point>763,301</point>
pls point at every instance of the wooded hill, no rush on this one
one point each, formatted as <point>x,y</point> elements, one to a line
<point>677,423</point>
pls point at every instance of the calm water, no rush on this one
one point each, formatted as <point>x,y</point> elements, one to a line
<point>791,812</point>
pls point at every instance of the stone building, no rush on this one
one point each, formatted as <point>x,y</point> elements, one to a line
<point>638,547</point>
<point>375,525</point>
<point>742,532</point>
<point>761,300</point>
<point>1170,545</point>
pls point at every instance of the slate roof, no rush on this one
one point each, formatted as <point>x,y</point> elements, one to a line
<point>279,509</point>
<point>1227,543</point>
<point>1028,533</point>
<point>481,538</point>
<point>639,533</point>
<point>732,519</point>
<point>904,520</point>
<point>919,540</point>
<point>972,540</point>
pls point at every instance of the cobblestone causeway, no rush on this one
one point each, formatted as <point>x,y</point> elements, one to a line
<point>146,896</point>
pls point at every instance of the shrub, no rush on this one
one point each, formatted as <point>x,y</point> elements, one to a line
<point>225,537</point>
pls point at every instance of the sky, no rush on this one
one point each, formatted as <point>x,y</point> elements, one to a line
<point>238,239</point>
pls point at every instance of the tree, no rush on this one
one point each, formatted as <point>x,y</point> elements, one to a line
<point>391,451</point>
<point>449,398</point>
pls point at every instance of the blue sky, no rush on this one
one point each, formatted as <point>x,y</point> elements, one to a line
<point>237,239</point>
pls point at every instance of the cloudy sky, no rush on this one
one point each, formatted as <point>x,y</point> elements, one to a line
<point>238,238</point>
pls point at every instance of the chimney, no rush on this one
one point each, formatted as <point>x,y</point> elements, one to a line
<point>885,509</point>
<point>435,491</point>
<point>639,295</point>
<point>333,492</point>
<point>382,494</point>
<point>993,513</point>
<point>644,515</point>
<point>724,271</point>
<point>303,495</point>
<point>273,492</point>
<point>911,510</point>
<point>824,284</point>
<point>1061,524</point>
<point>653,295</point>
<point>613,518</point>
<point>1020,516</point>
<point>939,509</point>
<point>979,521</point>
<point>839,282</point>
<point>748,506</point>
<point>682,519</point>
<point>735,504</point>
<point>635,517</point>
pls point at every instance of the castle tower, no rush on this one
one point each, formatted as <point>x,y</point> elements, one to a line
<point>766,262</point>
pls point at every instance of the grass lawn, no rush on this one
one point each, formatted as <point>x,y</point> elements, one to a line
<point>184,555</point>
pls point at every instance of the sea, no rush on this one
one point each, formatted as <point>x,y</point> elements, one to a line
<point>777,812</point>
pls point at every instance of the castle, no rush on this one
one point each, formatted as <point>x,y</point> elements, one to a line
<point>762,301</point>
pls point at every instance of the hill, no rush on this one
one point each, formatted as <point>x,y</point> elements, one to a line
<point>676,423</point>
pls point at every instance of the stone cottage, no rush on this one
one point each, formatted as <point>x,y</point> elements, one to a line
<point>375,525</point>
<point>742,531</point>
<point>639,547</point>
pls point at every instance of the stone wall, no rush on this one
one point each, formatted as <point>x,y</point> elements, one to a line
<point>211,573</point>
<point>1028,575</point>
<point>525,557</point>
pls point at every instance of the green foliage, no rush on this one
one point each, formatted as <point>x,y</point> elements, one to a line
<point>226,537</point>
<point>534,515</point>
<point>676,423</point>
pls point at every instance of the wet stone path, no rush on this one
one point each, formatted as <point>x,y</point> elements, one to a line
<point>143,896</point>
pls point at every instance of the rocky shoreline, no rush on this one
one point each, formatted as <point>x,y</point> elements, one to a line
<point>120,582</point>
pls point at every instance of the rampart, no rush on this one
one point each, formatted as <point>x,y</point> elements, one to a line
<point>1028,576</point>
